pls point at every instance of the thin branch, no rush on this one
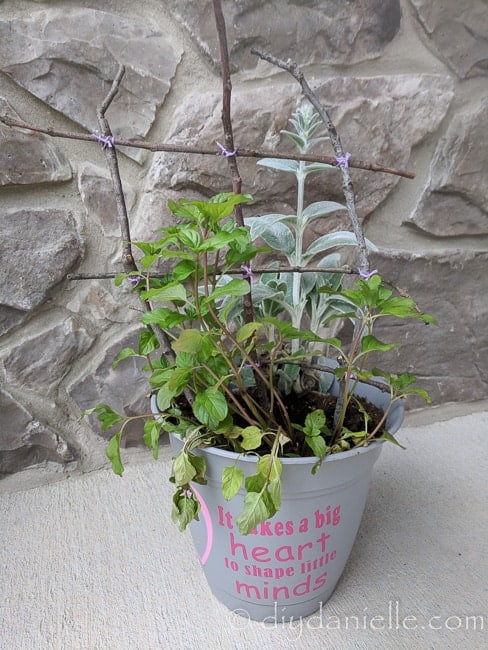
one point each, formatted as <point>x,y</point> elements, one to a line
<point>346,270</point>
<point>205,151</point>
<point>110,152</point>
<point>112,93</point>
<point>347,187</point>
<point>228,133</point>
<point>226,104</point>
<point>113,165</point>
<point>247,304</point>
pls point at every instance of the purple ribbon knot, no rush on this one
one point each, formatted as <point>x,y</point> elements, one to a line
<point>367,276</point>
<point>225,152</point>
<point>105,140</point>
<point>246,271</point>
<point>343,161</point>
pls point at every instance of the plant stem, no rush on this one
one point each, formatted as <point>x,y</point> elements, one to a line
<point>346,391</point>
<point>297,278</point>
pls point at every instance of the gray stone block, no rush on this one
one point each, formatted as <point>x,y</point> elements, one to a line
<point>458,32</point>
<point>455,203</point>
<point>29,158</point>
<point>450,359</point>
<point>380,119</point>
<point>124,388</point>
<point>37,249</point>
<point>26,442</point>
<point>41,362</point>
<point>97,193</point>
<point>69,57</point>
<point>313,31</point>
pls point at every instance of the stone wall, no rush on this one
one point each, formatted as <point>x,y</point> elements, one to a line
<point>408,83</point>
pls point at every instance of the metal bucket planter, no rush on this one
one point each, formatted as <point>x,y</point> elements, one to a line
<point>289,565</point>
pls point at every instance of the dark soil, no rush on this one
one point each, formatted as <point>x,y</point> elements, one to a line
<point>300,405</point>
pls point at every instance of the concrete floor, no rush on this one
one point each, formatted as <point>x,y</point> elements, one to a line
<point>94,562</point>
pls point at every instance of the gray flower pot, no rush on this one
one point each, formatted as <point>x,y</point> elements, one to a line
<point>290,564</point>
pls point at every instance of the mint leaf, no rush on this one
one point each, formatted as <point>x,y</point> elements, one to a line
<point>256,510</point>
<point>147,343</point>
<point>185,508</point>
<point>232,479</point>
<point>251,437</point>
<point>183,470</point>
<point>314,423</point>
<point>210,407</point>
<point>190,341</point>
<point>105,415</point>
<point>123,354</point>
<point>317,445</point>
<point>152,432</point>
<point>113,454</point>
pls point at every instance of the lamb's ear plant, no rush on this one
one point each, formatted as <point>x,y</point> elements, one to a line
<point>297,293</point>
<point>226,382</point>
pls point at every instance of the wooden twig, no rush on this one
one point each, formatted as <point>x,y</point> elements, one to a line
<point>242,152</point>
<point>106,138</point>
<point>260,270</point>
<point>229,149</point>
<point>113,165</point>
<point>347,187</point>
<point>230,153</point>
<point>226,105</point>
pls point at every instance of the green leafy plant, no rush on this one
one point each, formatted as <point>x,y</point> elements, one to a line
<point>226,381</point>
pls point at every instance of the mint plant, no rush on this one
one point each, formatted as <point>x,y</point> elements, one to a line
<point>369,302</point>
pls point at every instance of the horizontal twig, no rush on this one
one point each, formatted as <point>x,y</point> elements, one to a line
<point>204,151</point>
<point>346,270</point>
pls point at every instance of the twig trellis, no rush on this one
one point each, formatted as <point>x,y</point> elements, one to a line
<point>341,159</point>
